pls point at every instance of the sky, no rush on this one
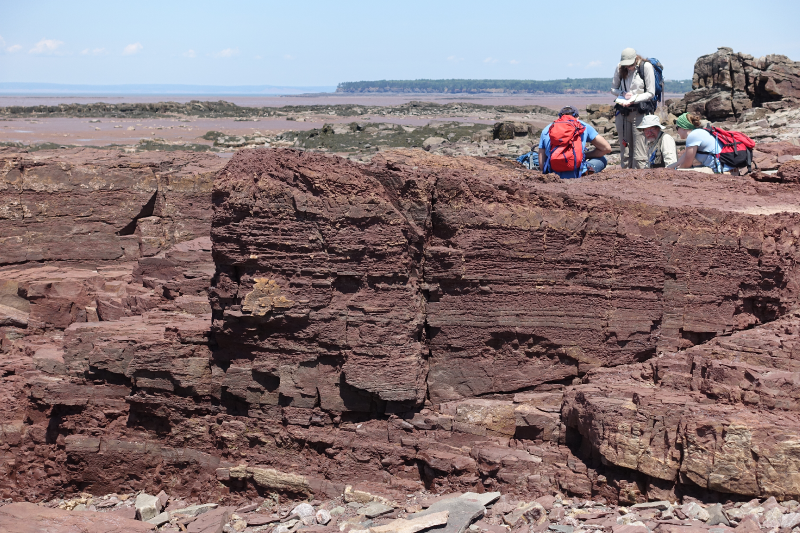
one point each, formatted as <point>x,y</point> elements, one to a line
<point>319,43</point>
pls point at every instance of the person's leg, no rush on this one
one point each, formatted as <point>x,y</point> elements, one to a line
<point>640,158</point>
<point>593,166</point>
<point>622,125</point>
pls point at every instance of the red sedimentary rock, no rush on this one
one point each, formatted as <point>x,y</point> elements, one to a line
<point>101,205</point>
<point>422,320</point>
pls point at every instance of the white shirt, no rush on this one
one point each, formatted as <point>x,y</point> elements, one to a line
<point>633,83</point>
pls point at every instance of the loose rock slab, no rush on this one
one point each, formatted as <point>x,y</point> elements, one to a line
<point>461,513</point>
<point>26,517</point>
<point>418,523</point>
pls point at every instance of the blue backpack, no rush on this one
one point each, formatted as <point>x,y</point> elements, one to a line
<point>658,71</point>
<point>529,160</point>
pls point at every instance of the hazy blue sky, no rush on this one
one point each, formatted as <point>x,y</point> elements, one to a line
<point>245,42</point>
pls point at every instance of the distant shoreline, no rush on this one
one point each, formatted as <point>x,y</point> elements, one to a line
<point>549,100</point>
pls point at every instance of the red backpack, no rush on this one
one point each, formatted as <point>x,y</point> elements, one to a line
<point>737,148</point>
<point>566,146</point>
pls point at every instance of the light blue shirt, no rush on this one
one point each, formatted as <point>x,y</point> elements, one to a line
<point>706,142</point>
<point>589,133</point>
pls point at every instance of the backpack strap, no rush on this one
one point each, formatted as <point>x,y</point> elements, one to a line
<point>656,150</point>
<point>640,70</point>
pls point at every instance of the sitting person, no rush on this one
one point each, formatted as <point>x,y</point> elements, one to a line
<point>563,143</point>
<point>661,149</point>
<point>701,147</point>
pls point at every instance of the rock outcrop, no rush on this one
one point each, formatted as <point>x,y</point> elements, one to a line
<point>98,205</point>
<point>727,84</point>
<point>419,322</point>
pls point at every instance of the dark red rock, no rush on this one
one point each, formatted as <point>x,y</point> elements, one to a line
<point>748,524</point>
<point>211,521</point>
<point>83,204</point>
<point>779,149</point>
<point>789,172</point>
<point>665,298</point>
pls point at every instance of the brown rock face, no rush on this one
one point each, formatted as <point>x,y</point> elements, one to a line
<point>515,286</point>
<point>94,205</point>
<point>422,321</point>
<point>726,84</point>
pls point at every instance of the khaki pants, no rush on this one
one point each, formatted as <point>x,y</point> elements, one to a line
<point>635,154</point>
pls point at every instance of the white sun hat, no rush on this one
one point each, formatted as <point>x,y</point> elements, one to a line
<point>650,121</point>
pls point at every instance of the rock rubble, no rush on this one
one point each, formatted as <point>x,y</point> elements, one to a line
<point>491,512</point>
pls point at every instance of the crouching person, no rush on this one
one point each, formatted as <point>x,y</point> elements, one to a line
<point>701,147</point>
<point>562,147</point>
<point>661,150</point>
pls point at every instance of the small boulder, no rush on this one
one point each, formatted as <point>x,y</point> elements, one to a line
<point>695,512</point>
<point>749,524</point>
<point>211,521</point>
<point>716,516</point>
<point>432,142</point>
<point>323,517</point>
<point>147,507</point>
<point>159,519</point>
<point>530,513</point>
<point>790,520</point>
<point>303,510</point>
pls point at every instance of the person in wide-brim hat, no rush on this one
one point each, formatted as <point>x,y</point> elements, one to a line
<point>661,149</point>
<point>633,77</point>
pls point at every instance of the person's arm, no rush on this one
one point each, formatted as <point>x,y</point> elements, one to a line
<point>542,159</point>
<point>649,83</point>
<point>686,158</point>
<point>601,148</point>
<point>669,152</point>
<point>615,83</point>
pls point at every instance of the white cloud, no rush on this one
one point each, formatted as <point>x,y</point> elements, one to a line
<point>514,62</point>
<point>593,64</point>
<point>455,59</point>
<point>46,46</point>
<point>288,57</point>
<point>228,52</point>
<point>93,51</point>
<point>10,49</point>
<point>190,53</point>
<point>490,60</point>
<point>132,49</point>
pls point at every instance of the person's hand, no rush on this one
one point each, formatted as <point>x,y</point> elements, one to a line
<point>625,104</point>
<point>628,96</point>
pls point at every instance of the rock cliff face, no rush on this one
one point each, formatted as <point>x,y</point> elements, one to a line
<point>96,205</point>
<point>727,84</point>
<point>422,321</point>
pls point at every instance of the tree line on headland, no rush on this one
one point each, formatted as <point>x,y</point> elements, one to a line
<point>567,86</point>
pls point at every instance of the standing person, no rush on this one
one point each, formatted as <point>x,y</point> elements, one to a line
<point>701,147</point>
<point>634,83</point>
<point>562,147</point>
<point>661,150</point>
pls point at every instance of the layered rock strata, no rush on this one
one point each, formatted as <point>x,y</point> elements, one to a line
<point>422,321</point>
<point>98,205</point>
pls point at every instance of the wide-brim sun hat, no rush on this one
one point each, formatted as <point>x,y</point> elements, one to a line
<point>650,121</point>
<point>628,57</point>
